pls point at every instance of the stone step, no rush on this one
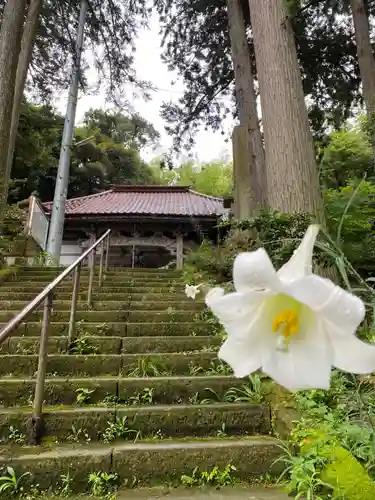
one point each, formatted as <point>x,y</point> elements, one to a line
<point>131,316</point>
<point>123,329</point>
<point>99,390</point>
<point>147,422</point>
<point>139,365</point>
<point>98,296</point>
<point>111,305</point>
<point>118,278</point>
<point>114,345</point>
<point>36,271</point>
<point>36,287</point>
<point>236,492</point>
<point>149,463</point>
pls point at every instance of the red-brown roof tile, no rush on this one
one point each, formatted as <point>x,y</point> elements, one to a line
<point>145,200</point>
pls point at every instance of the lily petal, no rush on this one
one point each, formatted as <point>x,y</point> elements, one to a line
<point>339,307</point>
<point>305,365</point>
<point>300,264</point>
<point>350,354</point>
<point>242,355</point>
<point>254,270</point>
<point>237,312</point>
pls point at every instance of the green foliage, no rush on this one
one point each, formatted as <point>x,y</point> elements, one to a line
<point>347,156</point>
<point>10,484</point>
<point>95,164</point>
<point>215,178</point>
<point>352,209</point>
<point>215,477</point>
<point>119,429</point>
<point>103,483</point>
<point>278,233</point>
<point>336,441</point>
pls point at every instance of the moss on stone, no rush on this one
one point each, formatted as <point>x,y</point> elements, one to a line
<point>346,475</point>
<point>18,365</point>
<point>252,458</point>
<point>284,410</point>
<point>30,345</point>
<point>58,391</point>
<point>198,420</point>
<point>7,273</point>
<point>176,363</point>
<point>80,364</point>
<point>164,344</point>
<point>172,329</point>
<point>160,317</point>
<point>176,390</point>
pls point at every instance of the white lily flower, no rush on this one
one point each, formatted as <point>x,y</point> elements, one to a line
<point>192,291</point>
<point>292,324</point>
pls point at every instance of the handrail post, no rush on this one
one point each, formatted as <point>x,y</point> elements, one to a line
<point>107,254</point>
<point>91,278</point>
<point>102,249</point>
<point>37,424</point>
<point>73,309</point>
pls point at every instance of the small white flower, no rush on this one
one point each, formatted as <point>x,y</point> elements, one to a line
<point>292,324</point>
<point>192,291</point>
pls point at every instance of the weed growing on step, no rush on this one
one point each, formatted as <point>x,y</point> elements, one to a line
<point>77,434</point>
<point>103,484</point>
<point>212,396</point>
<point>145,397</point>
<point>16,436</point>
<point>83,395</point>
<point>149,367</point>
<point>119,429</point>
<point>222,432</point>
<point>10,484</point>
<point>158,435</point>
<point>216,477</point>
<point>253,392</point>
<point>194,399</point>
<point>195,369</point>
<point>218,367</point>
<point>65,487</point>
<point>83,345</point>
<point>110,400</point>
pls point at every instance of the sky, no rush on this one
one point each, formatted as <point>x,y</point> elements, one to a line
<point>149,66</point>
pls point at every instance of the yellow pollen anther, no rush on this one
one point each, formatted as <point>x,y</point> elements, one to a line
<point>287,320</point>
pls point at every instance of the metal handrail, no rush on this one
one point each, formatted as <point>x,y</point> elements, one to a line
<point>47,296</point>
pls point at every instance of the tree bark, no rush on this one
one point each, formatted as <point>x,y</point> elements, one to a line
<point>291,170</point>
<point>247,105</point>
<point>366,61</point>
<point>28,37</point>
<point>10,44</point>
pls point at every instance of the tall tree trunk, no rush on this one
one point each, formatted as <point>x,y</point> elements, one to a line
<point>291,170</point>
<point>366,61</point>
<point>246,100</point>
<point>10,44</point>
<point>28,37</point>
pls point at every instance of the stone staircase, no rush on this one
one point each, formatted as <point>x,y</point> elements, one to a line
<point>140,393</point>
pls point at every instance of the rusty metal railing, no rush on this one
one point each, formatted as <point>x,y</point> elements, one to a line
<point>46,296</point>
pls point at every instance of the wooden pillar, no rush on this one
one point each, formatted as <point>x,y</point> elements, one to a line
<point>179,251</point>
<point>243,199</point>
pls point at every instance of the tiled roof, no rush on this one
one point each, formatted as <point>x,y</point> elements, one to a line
<point>145,200</point>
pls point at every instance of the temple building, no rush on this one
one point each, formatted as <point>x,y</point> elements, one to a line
<point>151,226</point>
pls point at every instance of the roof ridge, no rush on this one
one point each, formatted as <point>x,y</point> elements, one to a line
<point>94,195</point>
<point>216,198</point>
